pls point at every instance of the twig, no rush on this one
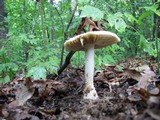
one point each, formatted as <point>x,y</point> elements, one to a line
<point>52,22</point>
<point>60,18</point>
<point>67,62</point>
<point>65,33</point>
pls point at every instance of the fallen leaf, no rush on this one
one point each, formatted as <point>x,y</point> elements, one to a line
<point>153,108</point>
<point>134,74</point>
<point>24,92</point>
<point>24,116</point>
<point>142,74</point>
<point>154,91</point>
<point>137,94</point>
<point>142,68</point>
<point>3,111</point>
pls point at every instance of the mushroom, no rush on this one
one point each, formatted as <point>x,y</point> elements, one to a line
<point>88,42</point>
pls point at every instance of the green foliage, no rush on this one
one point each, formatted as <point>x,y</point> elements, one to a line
<point>117,21</point>
<point>29,44</point>
<point>153,8</point>
<point>148,47</point>
<point>78,59</point>
<point>93,12</point>
<point>83,1</point>
<point>7,67</point>
<point>45,58</point>
<point>27,51</point>
<point>37,72</point>
<point>108,55</point>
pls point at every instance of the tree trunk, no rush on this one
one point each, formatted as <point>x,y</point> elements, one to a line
<point>41,8</point>
<point>156,34</point>
<point>156,20</point>
<point>3,29</point>
<point>136,42</point>
<point>52,22</point>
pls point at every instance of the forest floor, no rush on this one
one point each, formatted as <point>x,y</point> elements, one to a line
<point>127,91</point>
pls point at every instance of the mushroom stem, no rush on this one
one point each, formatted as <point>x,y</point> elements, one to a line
<point>89,90</point>
<point>89,64</point>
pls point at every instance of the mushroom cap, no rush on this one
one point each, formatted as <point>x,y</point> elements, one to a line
<point>99,38</point>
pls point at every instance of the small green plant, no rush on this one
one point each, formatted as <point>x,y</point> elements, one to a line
<point>25,51</point>
<point>7,67</point>
<point>42,61</point>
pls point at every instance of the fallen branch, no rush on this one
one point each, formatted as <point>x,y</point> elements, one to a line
<point>66,63</point>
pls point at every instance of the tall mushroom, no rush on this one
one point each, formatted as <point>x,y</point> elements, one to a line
<point>88,42</point>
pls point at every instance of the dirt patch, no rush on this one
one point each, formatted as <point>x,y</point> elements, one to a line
<point>120,97</point>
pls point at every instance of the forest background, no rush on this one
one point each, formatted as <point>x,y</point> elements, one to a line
<point>32,33</point>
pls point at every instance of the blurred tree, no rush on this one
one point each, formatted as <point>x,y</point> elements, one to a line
<point>156,33</point>
<point>3,30</point>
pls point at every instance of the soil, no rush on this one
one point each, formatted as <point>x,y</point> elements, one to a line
<point>63,100</point>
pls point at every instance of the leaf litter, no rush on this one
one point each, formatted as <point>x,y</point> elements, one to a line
<point>129,90</point>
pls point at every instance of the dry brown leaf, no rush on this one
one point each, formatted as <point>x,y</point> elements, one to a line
<point>134,97</point>
<point>142,74</point>
<point>146,78</point>
<point>134,74</point>
<point>142,68</point>
<point>153,108</point>
<point>47,112</point>
<point>3,111</point>
<point>24,92</point>
<point>154,91</point>
<point>137,94</point>
<point>24,116</point>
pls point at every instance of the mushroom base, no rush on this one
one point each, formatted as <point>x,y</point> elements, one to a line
<point>90,93</point>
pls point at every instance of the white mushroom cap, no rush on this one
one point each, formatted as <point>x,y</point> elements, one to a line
<point>99,38</point>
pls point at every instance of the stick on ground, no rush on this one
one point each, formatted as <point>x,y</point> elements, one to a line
<point>66,63</point>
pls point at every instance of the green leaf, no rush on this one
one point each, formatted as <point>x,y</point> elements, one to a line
<point>117,21</point>
<point>142,42</point>
<point>108,59</point>
<point>144,15</point>
<point>37,73</point>
<point>89,11</point>
<point>157,12</point>
<point>5,79</point>
<point>98,61</point>
<point>152,8</point>
<point>31,36</point>
<point>119,67</point>
<point>120,25</point>
<point>130,17</point>
<point>83,1</point>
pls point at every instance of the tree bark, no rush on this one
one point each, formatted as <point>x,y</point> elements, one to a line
<point>52,22</point>
<point>156,35</point>
<point>156,22</point>
<point>3,30</point>
<point>41,8</point>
